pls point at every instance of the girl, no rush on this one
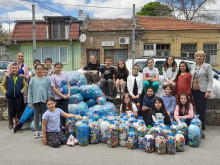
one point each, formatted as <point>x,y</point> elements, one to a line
<point>92,70</point>
<point>157,113</point>
<point>135,86</point>
<point>169,100</point>
<point>38,91</point>
<point>52,134</point>
<point>148,102</point>
<point>184,109</point>
<point>150,76</point>
<point>183,80</point>
<point>61,89</point>
<point>121,78</point>
<point>127,106</point>
<point>170,71</point>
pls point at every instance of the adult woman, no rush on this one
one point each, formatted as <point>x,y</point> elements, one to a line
<point>202,82</point>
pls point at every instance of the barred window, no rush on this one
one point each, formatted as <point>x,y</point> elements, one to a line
<point>211,51</point>
<point>188,50</point>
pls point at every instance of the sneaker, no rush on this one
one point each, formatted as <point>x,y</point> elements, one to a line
<point>16,128</point>
<point>10,125</point>
<point>36,134</point>
<point>122,95</point>
<point>40,134</point>
<point>118,96</point>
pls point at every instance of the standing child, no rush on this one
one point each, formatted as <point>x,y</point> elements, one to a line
<point>48,64</point>
<point>170,71</point>
<point>157,113</point>
<point>183,80</point>
<point>52,134</point>
<point>13,86</point>
<point>169,100</point>
<point>108,77</point>
<point>150,76</point>
<point>92,70</point>
<point>121,78</point>
<point>127,106</point>
<point>36,62</point>
<point>38,91</point>
<point>184,109</point>
<point>61,89</point>
<point>135,86</point>
<point>148,102</point>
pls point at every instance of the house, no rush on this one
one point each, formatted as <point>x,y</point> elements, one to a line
<point>57,37</point>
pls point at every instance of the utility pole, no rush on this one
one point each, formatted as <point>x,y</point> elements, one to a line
<point>133,35</point>
<point>34,32</point>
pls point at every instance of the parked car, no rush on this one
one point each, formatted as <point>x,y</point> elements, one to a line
<point>3,68</point>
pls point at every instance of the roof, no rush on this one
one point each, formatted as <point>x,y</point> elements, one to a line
<point>23,31</point>
<point>168,23</point>
<point>117,24</point>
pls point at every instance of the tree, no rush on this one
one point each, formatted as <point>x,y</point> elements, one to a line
<point>155,9</point>
<point>192,10</point>
<point>3,34</point>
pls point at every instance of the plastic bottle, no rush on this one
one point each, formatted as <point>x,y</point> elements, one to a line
<point>104,130</point>
<point>171,145</point>
<point>155,130</point>
<point>160,144</point>
<point>70,127</point>
<point>140,118</point>
<point>121,119</point>
<point>112,135</point>
<point>96,115</point>
<point>174,127</point>
<point>135,125</point>
<point>180,141</point>
<point>132,140</point>
<point>165,131</point>
<point>131,120</point>
<point>194,134</point>
<point>116,121</point>
<point>93,132</point>
<point>149,142</point>
<point>183,127</point>
<point>160,123</point>
<point>123,134</point>
<point>199,123</point>
<point>141,132</point>
<point>83,134</point>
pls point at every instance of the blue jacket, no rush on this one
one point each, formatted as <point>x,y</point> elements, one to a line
<point>169,103</point>
<point>13,90</point>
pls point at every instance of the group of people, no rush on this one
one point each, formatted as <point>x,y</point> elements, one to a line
<point>48,87</point>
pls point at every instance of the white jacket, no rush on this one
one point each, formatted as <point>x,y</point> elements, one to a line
<point>130,84</point>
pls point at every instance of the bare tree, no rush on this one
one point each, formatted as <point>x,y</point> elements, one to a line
<point>192,10</point>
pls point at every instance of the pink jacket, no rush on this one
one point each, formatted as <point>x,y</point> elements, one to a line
<point>190,114</point>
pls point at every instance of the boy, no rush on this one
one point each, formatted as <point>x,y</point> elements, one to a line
<point>48,64</point>
<point>36,62</point>
<point>108,77</point>
<point>13,86</point>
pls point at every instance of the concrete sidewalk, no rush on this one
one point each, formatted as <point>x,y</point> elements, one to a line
<point>23,149</point>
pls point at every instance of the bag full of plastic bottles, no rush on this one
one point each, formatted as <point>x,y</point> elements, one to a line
<point>132,140</point>
<point>74,90</point>
<point>104,130</point>
<point>171,144</point>
<point>70,126</point>
<point>32,125</point>
<point>82,81</point>
<point>93,132</point>
<point>81,107</point>
<point>199,123</point>
<point>149,142</point>
<point>73,77</point>
<point>91,91</point>
<point>160,144</point>
<point>194,134</point>
<point>106,109</point>
<point>180,141</point>
<point>90,102</point>
<point>141,132</point>
<point>101,100</point>
<point>78,123</point>
<point>75,98</point>
<point>155,130</point>
<point>112,135</point>
<point>83,134</point>
<point>174,128</point>
<point>183,128</point>
<point>123,133</point>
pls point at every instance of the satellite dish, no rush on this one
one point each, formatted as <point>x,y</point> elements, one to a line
<point>82,38</point>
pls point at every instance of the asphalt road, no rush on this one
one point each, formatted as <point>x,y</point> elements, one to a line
<point>23,149</point>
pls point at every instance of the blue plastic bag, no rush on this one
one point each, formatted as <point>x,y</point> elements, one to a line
<point>81,107</point>
<point>75,98</point>
<point>82,81</point>
<point>106,109</point>
<point>74,90</point>
<point>91,91</point>
<point>32,126</point>
<point>101,100</point>
<point>73,77</point>
<point>91,102</point>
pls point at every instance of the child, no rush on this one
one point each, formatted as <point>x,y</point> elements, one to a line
<point>108,77</point>
<point>38,91</point>
<point>150,76</point>
<point>135,86</point>
<point>92,70</point>
<point>48,63</point>
<point>170,71</point>
<point>36,62</point>
<point>148,102</point>
<point>127,106</point>
<point>184,109</point>
<point>157,113</point>
<point>169,100</point>
<point>52,134</point>
<point>13,86</point>
<point>61,89</point>
<point>183,80</point>
<point>121,78</point>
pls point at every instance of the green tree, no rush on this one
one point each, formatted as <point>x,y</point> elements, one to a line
<point>155,9</point>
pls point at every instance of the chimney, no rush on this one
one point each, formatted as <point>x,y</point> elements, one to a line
<point>80,12</point>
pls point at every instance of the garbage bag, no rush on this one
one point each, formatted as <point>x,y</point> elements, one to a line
<point>73,77</point>
<point>75,98</point>
<point>81,107</point>
<point>74,90</point>
<point>91,102</point>
<point>82,81</point>
<point>91,91</point>
<point>106,109</point>
<point>32,125</point>
<point>101,100</point>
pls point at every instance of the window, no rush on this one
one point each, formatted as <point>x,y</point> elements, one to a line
<point>95,52</point>
<point>162,49</point>
<point>58,29</point>
<point>188,50</point>
<point>148,47</point>
<point>116,55</point>
<point>211,51</point>
<point>57,54</point>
